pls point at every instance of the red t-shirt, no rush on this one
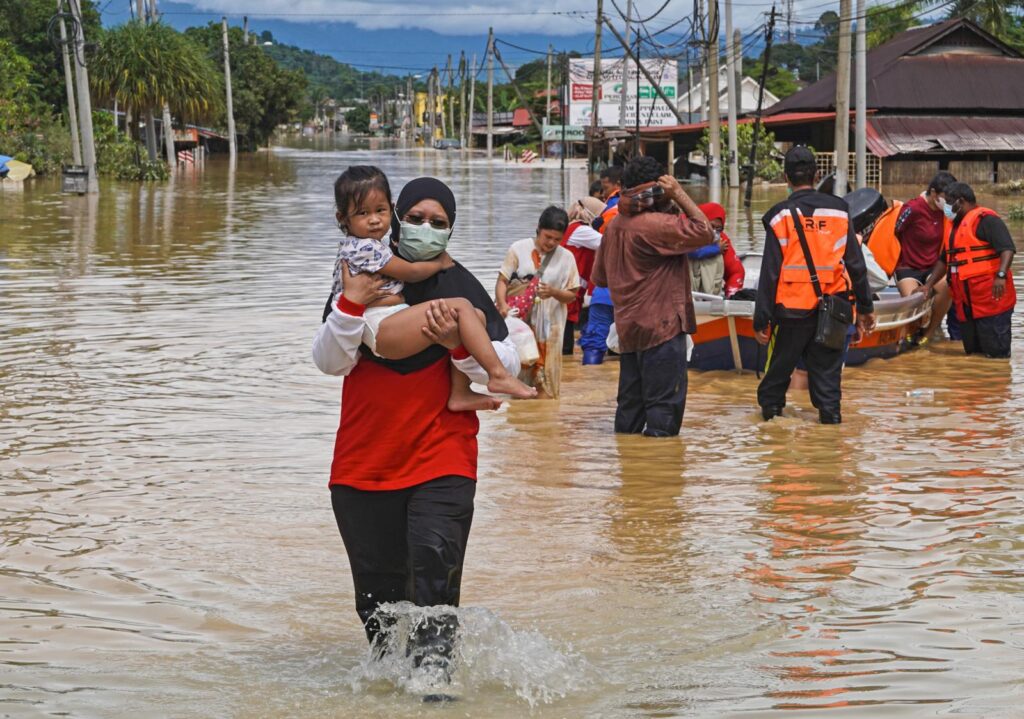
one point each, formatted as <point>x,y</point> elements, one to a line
<point>919,229</point>
<point>396,430</point>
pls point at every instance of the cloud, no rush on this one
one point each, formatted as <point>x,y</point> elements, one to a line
<point>535,17</point>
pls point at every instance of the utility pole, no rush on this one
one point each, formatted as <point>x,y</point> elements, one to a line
<point>462,100</point>
<point>730,86</point>
<point>714,112</point>
<point>703,64</point>
<point>172,157</point>
<point>232,142</point>
<point>842,136</point>
<point>451,96</point>
<point>490,92</point>
<point>519,93</point>
<point>245,29</point>
<point>432,106</point>
<point>151,147</point>
<point>472,98</point>
<point>595,90</point>
<point>751,167</point>
<point>69,86</point>
<point>547,96</point>
<point>861,141</point>
<point>84,101</point>
<point>625,67</point>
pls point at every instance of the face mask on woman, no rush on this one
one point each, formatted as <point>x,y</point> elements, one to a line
<point>947,209</point>
<point>417,243</point>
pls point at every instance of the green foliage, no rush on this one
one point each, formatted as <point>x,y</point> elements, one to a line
<point>119,157</point>
<point>766,163</point>
<point>780,82</point>
<point>884,22</point>
<point>28,131</point>
<point>265,94</point>
<point>358,119</point>
<point>328,78</point>
<point>23,23</point>
<point>144,66</point>
<point>1016,212</point>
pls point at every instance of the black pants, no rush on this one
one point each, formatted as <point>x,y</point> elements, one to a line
<point>652,390</point>
<point>989,336</point>
<point>407,544</point>
<point>790,342</point>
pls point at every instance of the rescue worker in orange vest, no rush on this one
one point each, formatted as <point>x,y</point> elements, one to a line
<point>785,313</point>
<point>976,261</point>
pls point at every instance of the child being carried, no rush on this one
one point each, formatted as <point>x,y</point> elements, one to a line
<point>393,329</point>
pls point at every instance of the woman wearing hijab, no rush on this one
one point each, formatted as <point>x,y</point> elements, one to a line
<point>716,269</point>
<point>404,472</point>
<point>582,241</point>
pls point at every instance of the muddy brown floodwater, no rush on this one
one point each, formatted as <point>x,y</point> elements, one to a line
<point>167,547</point>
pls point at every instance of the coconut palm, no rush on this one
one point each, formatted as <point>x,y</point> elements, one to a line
<point>142,67</point>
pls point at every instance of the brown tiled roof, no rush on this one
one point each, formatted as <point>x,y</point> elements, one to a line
<point>907,74</point>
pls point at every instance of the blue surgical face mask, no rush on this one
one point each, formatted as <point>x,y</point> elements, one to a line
<point>417,243</point>
<point>947,209</point>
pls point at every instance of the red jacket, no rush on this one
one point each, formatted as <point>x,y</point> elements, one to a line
<point>584,264</point>
<point>734,270</point>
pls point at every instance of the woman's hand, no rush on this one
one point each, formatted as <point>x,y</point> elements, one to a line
<point>544,291</point>
<point>362,289</point>
<point>442,326</point>
<point>503,308</point>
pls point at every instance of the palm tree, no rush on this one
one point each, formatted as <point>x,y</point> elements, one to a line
<point>143,67</point>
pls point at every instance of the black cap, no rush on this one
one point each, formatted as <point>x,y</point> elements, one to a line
<point>798,158</point>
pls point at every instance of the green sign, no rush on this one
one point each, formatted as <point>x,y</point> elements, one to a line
<point>573,133</point>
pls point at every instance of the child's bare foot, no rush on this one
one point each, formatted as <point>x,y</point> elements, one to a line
<point>472,402</point>
<point>509,385</point>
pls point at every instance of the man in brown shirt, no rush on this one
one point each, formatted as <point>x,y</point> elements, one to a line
<point>642,261</point>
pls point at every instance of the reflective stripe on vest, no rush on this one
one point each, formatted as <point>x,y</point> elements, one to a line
<point>827,231</point>
<point>966,254</point>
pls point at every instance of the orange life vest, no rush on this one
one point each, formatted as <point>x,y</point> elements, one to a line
<point>972,264</point>
<point>607,216</point>
<point>882,240</point>
<point>826,231</point>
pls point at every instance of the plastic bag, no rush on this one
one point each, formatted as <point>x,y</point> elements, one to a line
<point>613,339</point>
<point>525,342</point>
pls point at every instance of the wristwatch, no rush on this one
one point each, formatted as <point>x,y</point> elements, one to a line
<point>1001,274</point>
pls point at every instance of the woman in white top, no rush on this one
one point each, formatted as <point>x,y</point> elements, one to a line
<point>554,267</point>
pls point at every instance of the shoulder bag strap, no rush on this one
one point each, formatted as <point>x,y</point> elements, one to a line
<point>546,261</point>
<point>807,250</point>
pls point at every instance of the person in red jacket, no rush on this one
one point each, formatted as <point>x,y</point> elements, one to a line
<point>733,267</point>
<point>404,471</point>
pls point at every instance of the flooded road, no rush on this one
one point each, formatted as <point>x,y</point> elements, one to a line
<point>167,547</point>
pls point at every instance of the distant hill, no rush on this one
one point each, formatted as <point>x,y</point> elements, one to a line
<point>327,77</point>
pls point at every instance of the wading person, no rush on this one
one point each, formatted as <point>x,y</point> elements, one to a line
<point>976,264</point>
<point>539,277</point>
<point>404,471</point>
<point>642,262</point>
<point>594,336</point>
<point>922,227</point>
<point>582,241</point>
<point>811,259</point>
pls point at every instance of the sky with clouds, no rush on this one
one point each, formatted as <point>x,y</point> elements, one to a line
<point>448,17</point>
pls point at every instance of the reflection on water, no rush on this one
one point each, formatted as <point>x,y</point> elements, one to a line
<point>167,537</point>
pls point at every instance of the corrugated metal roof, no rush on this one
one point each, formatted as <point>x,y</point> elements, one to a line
<point>887,136</point>
<point>789,118</point>
<point>914,73</point>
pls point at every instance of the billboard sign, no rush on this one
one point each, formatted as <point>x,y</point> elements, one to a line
<point>653,110</point>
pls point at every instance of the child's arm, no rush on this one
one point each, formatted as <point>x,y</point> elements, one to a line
<point>416,271</point>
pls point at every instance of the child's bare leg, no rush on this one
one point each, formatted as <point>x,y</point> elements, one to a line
<point>401,335</point>
<point>474,337</point>
<point>464,399</point>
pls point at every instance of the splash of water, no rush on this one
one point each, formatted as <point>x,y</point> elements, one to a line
<point>488,652</point>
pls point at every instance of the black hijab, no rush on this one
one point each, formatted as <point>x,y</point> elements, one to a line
<point>422,188</point>
<point>454,282</point>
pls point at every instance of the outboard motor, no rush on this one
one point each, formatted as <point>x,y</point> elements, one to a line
<point>866,206</point>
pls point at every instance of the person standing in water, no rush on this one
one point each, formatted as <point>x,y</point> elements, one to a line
<point>642,262</point>
<point>404,472</point>
<point>976,262</point>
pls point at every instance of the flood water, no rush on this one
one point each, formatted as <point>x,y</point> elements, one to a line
<point>167,547</point>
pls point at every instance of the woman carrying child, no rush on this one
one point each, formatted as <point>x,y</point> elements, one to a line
<point>404,472</point>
